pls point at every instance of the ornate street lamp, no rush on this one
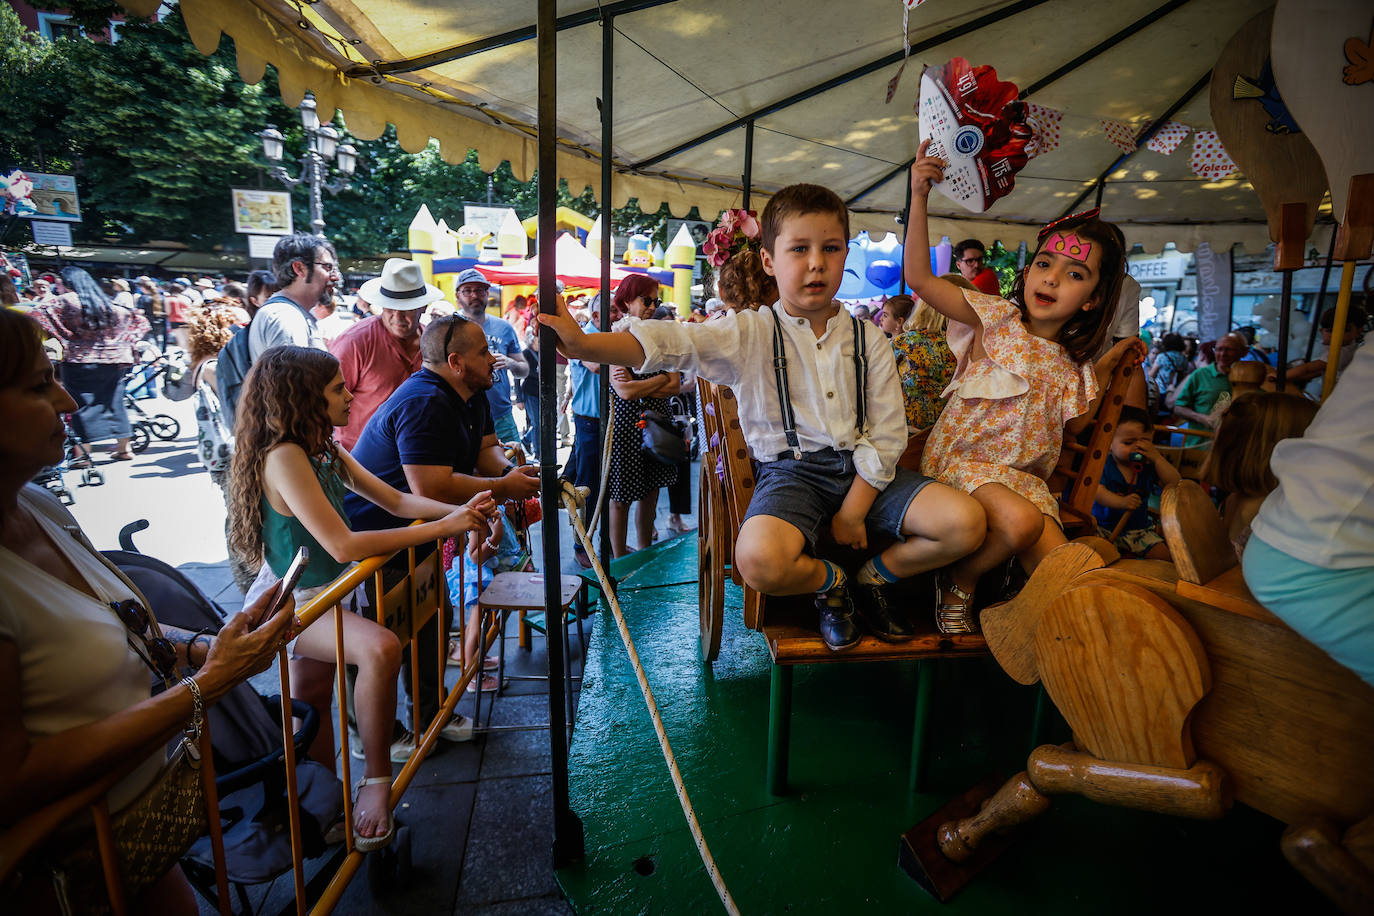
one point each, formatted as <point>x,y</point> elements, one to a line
<point>322,149</point>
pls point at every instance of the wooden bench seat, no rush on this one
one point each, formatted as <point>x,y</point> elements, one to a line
<point>789,626</point>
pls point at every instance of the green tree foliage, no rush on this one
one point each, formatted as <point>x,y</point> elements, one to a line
<point>157,134</point>
<point>34,77</point>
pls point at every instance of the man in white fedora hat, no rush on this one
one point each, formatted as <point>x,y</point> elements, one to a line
<point>381,351</point>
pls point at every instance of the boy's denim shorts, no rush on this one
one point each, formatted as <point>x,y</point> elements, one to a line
<point>806,493</point>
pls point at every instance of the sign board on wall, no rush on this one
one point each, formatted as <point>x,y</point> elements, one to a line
<point>46,233</point>
<point>262,212</point>
<point>262,246</point>
<point>38,195</point>
<point>1155,270</point>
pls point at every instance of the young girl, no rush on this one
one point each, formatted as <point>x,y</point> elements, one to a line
<point>1239,459</point>
<point>896,311</point>
<point>1024,371</point>
<point>288,483</point>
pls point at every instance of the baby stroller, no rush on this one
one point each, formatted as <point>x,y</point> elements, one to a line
<point>51,478</point>
<point>245,730</point>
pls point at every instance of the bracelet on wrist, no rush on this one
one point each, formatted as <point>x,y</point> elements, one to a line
<point>197,708</point>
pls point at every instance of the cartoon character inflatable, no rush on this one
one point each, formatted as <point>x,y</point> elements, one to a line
<point>18,189</point>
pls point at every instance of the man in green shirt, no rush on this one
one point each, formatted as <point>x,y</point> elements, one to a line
<point>1198,397</point>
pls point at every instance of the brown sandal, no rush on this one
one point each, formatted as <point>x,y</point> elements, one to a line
<point>953,617</point>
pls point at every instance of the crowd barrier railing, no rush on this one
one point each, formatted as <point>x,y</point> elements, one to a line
<point>416,599</point>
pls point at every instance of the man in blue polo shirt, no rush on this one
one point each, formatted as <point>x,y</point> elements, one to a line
<point>434,437</point>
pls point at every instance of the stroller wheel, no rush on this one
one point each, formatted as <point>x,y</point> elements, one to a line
<point>389,867</point>
<point>92,477</point>
<point>139,437</point>
<point>163,426</point>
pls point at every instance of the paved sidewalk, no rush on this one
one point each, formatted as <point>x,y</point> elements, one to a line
<point>480,813</point>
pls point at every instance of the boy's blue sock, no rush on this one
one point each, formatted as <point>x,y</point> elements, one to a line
<point>834,577</point>
<point>875,573</point>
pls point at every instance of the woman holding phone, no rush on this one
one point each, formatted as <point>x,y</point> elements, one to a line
<point>74,691</point>
<point>289,478</point>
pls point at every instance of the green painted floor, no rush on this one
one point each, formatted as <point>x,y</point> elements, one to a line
<point>831,844</point>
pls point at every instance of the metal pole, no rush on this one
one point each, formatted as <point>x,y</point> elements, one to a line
<point>748,162</point>
<point>603,379</point>
<point>1321,296</point>
<point>1285,316</point>
<point>567,829</point>
<point>906,222</point>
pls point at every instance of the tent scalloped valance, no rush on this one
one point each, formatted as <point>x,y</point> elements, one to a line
<point>482,102</point>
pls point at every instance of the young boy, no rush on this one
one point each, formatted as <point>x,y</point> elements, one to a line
<point>828,446</point>
<point>1133,471</point>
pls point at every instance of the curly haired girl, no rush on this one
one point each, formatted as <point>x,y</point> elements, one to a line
<point>289,479</point>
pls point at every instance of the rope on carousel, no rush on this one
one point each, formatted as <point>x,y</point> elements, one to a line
<point>573,500</point>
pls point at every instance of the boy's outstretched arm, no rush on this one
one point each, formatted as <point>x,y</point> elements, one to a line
<point>943,296</point>
<point>615,347</point>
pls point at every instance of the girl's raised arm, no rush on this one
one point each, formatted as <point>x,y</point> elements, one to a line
<point>941,295</point>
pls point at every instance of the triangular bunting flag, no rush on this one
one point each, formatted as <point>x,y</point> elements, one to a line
<point>892,83</point>
<point>1168,137</point>
<point>1121,134</point>
<point>1045,124</point>
<point>1210,160</point>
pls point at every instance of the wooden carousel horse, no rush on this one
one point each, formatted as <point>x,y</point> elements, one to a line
<point>1184,694</point>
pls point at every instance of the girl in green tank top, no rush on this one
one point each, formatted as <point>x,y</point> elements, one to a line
<point>288,479</point>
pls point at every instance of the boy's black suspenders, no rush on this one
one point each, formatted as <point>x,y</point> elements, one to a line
<point>789,420</point>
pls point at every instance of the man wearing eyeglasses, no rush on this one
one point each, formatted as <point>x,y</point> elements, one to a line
<point>307,271</point>
<point>970,259</point>
<point>504,344</point>
<point>1207,387</point>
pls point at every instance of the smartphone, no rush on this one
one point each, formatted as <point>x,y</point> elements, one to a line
<point>288,583</point>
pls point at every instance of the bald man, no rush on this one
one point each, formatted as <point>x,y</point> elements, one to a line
<point>1205,387</point>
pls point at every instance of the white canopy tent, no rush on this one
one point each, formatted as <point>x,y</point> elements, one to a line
<point>691,75</point>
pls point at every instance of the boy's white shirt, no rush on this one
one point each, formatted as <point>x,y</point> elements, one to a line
<point>738,351</point>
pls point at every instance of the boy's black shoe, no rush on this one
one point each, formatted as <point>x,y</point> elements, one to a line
<point>838,627</point>
<point>884,621</point>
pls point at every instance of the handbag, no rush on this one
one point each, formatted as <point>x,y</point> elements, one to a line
<point>214,441</point>
<point>150,834</point>
<point>662,438</point>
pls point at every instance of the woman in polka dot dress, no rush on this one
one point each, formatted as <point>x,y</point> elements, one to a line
<point>634,477</point>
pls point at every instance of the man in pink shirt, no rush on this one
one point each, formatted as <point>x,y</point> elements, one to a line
<point>381,351</point>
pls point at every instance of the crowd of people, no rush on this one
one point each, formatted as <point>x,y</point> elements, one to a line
<point>335,435</point>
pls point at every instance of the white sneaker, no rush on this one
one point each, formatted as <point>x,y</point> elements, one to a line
<point>459,728</point>
<point>401,749</point>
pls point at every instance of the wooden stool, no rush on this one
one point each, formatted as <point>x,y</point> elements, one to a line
<point>523,592</point>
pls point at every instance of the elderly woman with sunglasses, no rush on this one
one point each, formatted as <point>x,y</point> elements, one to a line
<point>76,644</point>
